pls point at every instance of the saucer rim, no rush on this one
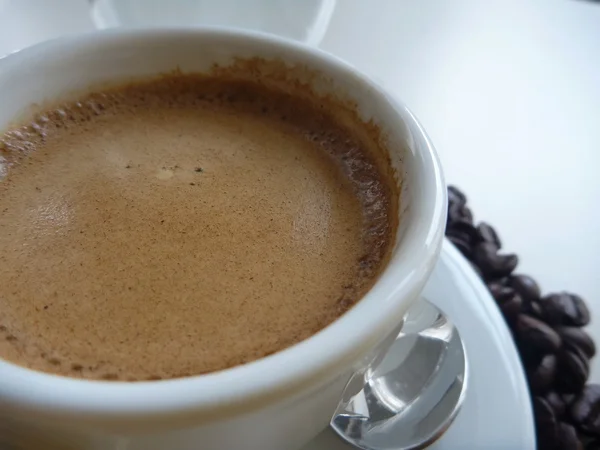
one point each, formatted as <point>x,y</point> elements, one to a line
<point>459,266</point>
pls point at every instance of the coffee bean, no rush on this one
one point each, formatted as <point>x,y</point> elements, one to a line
<point>558,403</point>
<point>497,283</point>
<point>573,336</point>
<point>567,437</point>
<point>541,378</point>
<point>491,263</point>
<point>464,229</point>
<point>592,444</point>
<point>572,372</point>
<point>458,234</point>
<point>493,286</point>
<point>458,213</point>
<point>565,309</point>
<point>530,356</point>
<point>504,281</point>
<point>507,299</point>
<point>545,423</point>
<point>454,214</point>
<point>455,195</point>
<point>585,410</point>
<point>537,334</point>
<point>499,291</point>
<point>525,286</point>
<point>486,233</point>
<point>581,318</point>
<point>533,308</point>
<point>466,214</point>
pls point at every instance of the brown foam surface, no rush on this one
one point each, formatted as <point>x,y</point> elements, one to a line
<point>181,226</point>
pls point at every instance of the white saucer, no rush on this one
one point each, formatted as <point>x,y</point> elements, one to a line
<point>497,412</point>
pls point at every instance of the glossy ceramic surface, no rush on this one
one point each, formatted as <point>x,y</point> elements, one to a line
<point>273,394</point>
<point>496,414</point>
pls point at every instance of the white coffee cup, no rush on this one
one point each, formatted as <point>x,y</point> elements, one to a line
<point>276,403</point>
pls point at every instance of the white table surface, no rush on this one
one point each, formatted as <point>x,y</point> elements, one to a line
<point>509,91</point>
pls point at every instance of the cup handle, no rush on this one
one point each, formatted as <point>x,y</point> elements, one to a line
<point>408,397</point>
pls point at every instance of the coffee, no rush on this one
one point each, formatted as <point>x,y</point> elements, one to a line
<point>183,225</point>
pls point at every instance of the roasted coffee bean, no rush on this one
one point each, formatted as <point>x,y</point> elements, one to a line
<point>486,233</point>
<point>572,371</point>
<point>499,291</point>
<point>504,281</point>
<point>530,356</point>
<point>592,444</point>
<point>545,424</point>
<point>491,263</point>
<point>463,229</point>
<point>537,334</point>
<point>525,286</point>
<point>567,437</point>
<point>557,402</point>
<point>458,213</point>
<point>541,377</point>
<point>533,308</point>
<point>459,235</point>
<point>507,299</point>
<point>585,410</point>
<point>494,286</point>
<point>454,214</point>
<point>462,245</point>
<point>455,195</point>
<point>565,309</point>
<point>466,214</point>
<point>573,336</point>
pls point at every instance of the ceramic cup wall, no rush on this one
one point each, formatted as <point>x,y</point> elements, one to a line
<point>278,402</point>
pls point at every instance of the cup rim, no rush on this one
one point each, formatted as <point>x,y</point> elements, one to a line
<point>307,363</point>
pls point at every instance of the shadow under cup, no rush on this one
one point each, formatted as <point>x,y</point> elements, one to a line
<point>277,402</point>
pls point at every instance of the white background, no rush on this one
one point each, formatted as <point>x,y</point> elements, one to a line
<point>509,91</point>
